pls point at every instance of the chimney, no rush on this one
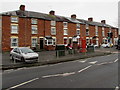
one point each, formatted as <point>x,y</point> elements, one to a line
<point>52,12</point>
<point>73,16</point>
<point>90,19</point>
<point>103,21</point>
<point>22,7</point>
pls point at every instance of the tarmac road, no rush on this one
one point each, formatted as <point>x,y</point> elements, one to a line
<point>96,72</point>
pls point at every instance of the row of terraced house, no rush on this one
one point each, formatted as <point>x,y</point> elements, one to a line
<point>27,28</point>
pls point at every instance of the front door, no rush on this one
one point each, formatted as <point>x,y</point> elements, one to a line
<point>41,43</point>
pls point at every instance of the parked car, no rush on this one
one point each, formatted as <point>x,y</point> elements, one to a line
<point>107,45</point>
<point>24,54</point>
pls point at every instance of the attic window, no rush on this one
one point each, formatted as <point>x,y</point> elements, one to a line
<point>14,19</point>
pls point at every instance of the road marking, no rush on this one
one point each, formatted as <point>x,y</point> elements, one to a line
<point>22,83</point>
<point>116,88</point>
<point>85,68</point>
<point>56,75</point>
<point>93,62</point>
<point>116,60</point>
<point>83,61</point>
<point>102,63</point>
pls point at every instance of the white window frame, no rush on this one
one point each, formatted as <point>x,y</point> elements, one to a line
<point>14,30</point>
<point>48,41</point>
<point>34,29</point>
<point>65,24</point>
<point>53,23</point>
<point>96,30</point>
<point>14,19</point>
<point>87,26</point>
<point>65,31</point>
<point>77,31</point>
<point>34,43</point>
<point>87,32</point>
<point>78,26</point>
<point>12,46</point>
<point>53,30</point>
<point>34,21</point>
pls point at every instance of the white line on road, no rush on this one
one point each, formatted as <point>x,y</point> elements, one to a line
<point>116,60</point>
<point>55,75</point>
<point>22,83</point>
<point>93,62</point>
<point>85,68</point>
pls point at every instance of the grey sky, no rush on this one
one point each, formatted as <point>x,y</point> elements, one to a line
<point>98,9</point>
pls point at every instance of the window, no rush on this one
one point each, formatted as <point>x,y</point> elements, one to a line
<point>53,30</point>
<point>115,33</point>
<point>48,41</point>
<point>14,29</point>
<point>78,26</point>
<point>34,29</point>
<point>78,31</point>
<point>65,24</point>
<point>65,40</point>
<point>34,42</point>
<point>96,30</point>
<point>34,21</point>
<point>65,31</point>
<point>14,19</point>
<point>87,32</point>
<point>14,42</point>
<point>54,41</point>
<point>53,23</point>
<point>103,32</point>
<point>87,26</point>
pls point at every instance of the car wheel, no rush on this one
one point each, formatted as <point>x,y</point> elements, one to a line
<point>22,59</point>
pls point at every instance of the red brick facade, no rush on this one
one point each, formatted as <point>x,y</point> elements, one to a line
<point>25,35</point>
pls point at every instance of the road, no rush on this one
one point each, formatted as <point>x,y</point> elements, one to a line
<point>96,72</point>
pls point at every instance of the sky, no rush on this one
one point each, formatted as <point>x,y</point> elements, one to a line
<point>97,9</point>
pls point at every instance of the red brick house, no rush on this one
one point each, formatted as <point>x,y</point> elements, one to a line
<point>26,28</point>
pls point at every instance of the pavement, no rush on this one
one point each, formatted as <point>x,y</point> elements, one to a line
<point>49,57</point>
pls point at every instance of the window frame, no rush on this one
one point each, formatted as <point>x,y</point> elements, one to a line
<point>13,30</point>
<point>14,19</point>
<point>65,24</point>
<point>34,21</point>
<point>53,32</point>
<point>65,31</point>
<point>32,43</point>
<point>14,46</point>
<point>53,23</point>
<point>35,30</point>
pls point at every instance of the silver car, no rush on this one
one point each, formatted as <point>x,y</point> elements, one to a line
<point>24,54</point>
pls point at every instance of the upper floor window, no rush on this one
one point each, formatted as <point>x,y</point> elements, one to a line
<point>53,23</point>
<point>78,31</point>
<point>14,28</point>
<point>96,30</point>
<point>87,32</point>
<point>87,26</point>
<point>14,19</point>
<point>65,24</point>
<point>78,26</point>
<point>34,21</point>
<point>65,31</point>
<point>53,30</point>
<point>34,29</point>
<point>103,31</point>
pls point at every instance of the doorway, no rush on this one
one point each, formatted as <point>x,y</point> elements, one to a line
<point>41,43</point>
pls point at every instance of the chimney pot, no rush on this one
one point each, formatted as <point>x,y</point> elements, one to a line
<point>22,7</point>
<point>103,21</point>
<point>52,12</point>
<point>73,16</point>
<point>90,19</point>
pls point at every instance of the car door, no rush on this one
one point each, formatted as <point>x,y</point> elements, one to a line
<point>18,54</point>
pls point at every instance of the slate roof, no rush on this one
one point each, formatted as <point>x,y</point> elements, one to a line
<point>32,14</point>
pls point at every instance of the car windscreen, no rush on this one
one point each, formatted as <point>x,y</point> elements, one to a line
<point>26,50</point>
